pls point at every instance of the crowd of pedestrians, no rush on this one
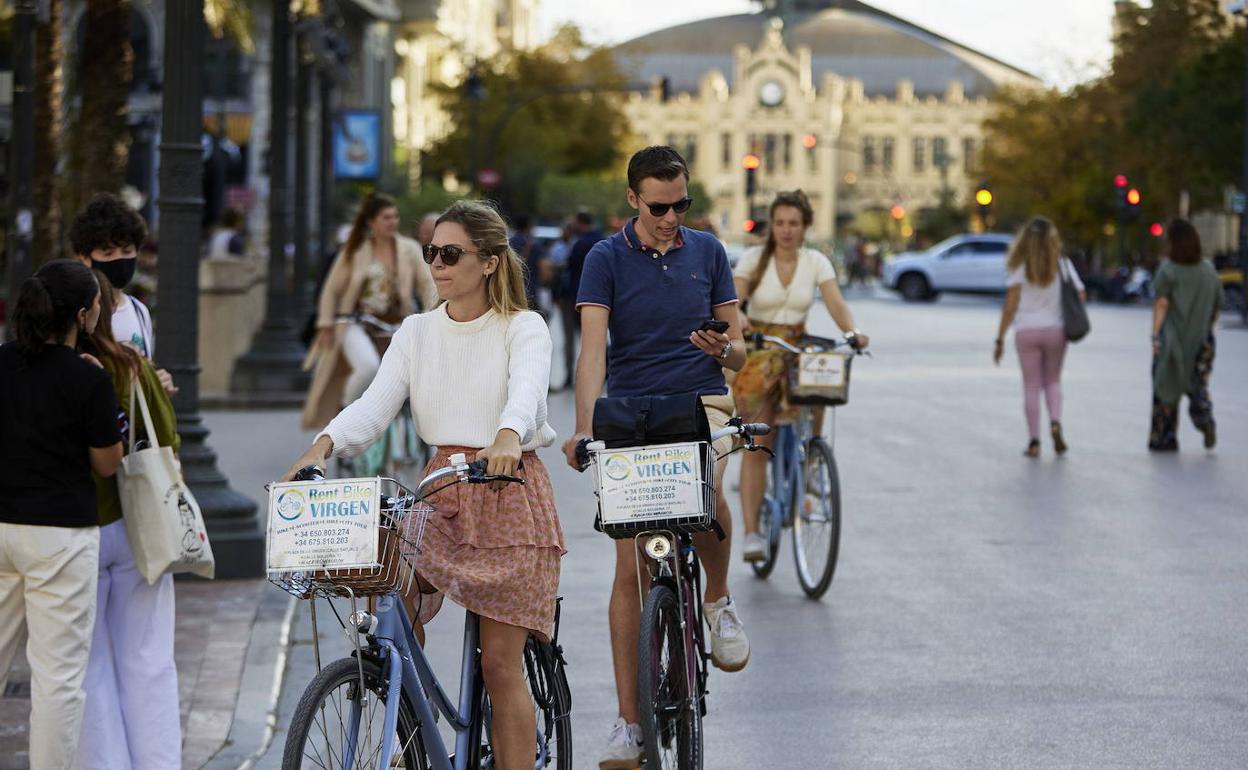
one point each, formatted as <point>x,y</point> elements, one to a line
<point>104,688</point>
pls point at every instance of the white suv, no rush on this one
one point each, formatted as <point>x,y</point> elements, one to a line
<point>961,263</point>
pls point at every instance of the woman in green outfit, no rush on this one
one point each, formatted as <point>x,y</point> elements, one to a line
<point>131,714</point>
<point>1189,296</point>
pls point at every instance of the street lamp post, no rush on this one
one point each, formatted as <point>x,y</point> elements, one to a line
<point>22,148</point>
<point>272,371</point>
<point>305,88</point>
<point>238,542</point>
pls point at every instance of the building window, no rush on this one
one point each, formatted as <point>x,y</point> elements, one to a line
<point>788,152</point>
<point>868,154</point>
<point>919,155</point>
<point>940,152</point>
<point>691,149</point>
<point>968,155</point>
<point>769,154</point>
<point>725,147</point>
<point>886,155</point>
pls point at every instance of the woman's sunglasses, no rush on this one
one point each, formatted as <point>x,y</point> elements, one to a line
<point>450,253</point>
<point>659,209</point>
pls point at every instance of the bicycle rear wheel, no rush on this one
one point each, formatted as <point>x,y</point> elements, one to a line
<point>671,716</point>
<point>321,734</point>
<point>552,702</point>
<point>817,520</point>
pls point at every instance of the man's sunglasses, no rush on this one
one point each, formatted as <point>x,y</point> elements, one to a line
<point>450,253</point>
<point>659,209</point>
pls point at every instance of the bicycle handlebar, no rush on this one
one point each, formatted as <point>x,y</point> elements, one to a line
<point>759,339</point>
<point>735,428</point>
<point>469,472</point>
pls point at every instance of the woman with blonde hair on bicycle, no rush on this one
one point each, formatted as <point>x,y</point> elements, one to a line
<point>776,283</point>
<point>476,370</point>
<point>1033,305</point>
<point>378,272</point>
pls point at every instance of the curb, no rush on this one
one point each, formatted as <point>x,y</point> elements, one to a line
<point>264,673</point>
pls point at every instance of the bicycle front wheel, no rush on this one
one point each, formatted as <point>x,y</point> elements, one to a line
<point>671,716</point>
<point>817,520</point>
<point>339,724</point>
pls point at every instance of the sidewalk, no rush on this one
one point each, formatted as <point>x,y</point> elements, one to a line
<point>230,635</point>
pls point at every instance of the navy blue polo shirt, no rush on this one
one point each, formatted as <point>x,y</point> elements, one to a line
<point>656,301</point>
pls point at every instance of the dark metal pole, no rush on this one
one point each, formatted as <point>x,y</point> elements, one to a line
<point>327,219</point>
<point>271,373</point>
<point>304,90</point>
<point>1243,185</point>
<point>237,540</point>
<point>22,148</point>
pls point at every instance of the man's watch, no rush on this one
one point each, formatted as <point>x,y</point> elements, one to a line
<point>726,351</point>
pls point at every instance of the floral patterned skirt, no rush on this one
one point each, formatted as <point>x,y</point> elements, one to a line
<point>764,378</point>
<point>493,553</point>
<point>1163,434</point>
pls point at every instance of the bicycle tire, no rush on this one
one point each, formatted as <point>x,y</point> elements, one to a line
<point>671,717</point>
<point>345,673</point>
<point>771,523</point>
<point>817,532</point>
<point>552,700</point>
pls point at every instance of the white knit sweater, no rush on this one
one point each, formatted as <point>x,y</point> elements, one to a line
<point>466,381</point>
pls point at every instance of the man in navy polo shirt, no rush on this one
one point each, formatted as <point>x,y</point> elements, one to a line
<point>652,285</point>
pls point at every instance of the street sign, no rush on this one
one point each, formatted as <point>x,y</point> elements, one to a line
<point>488,177</point>
<point>1239,202</point>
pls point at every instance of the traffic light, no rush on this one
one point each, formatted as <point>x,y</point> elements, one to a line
<point>1133,204</point>
<point>751,163</point>
<point>1120,192</point>
<point>751,225</point>
<point>1156,230</point>
<point>983,196</point>
<point>897,212</point>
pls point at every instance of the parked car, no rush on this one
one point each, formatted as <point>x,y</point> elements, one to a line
<point>968,262</point>
<point>1233,286</point>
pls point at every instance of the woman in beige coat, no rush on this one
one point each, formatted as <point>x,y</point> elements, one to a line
<point>378,272</point>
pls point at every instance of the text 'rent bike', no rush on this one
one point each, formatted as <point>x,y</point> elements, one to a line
<point>378,708</point>
<point>803,488</point>
<point>659,496</point>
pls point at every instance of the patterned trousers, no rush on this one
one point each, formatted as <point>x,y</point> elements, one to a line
<point>1164,433</point>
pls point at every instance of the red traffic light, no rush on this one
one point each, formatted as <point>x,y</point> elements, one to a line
<point>750,225</point>
<point>809,141</point>
<point>751,162</point>
<point>1120,181</point>
<point>897,212</point>
<point>1133,196</point>
<point>1156,229</point>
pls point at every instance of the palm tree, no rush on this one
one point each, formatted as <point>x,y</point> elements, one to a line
<point>49,88</point>
<point>102,141</point>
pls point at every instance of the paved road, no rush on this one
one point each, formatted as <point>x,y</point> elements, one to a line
<point>989,610</point>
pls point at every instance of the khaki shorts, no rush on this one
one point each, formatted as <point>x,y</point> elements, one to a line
<point>719,410</point>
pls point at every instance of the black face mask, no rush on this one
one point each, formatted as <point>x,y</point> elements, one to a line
<point>119,272</point>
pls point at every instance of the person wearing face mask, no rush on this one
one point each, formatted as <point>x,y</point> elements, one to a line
<point>776,283</point>
<point>58,421</point>
<point>106,236</point>
<point>377,272</point>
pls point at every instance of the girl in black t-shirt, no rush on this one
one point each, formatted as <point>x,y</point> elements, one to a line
<point>58,422</point>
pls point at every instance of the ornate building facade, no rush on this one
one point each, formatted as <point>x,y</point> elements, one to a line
<point>862,110</point>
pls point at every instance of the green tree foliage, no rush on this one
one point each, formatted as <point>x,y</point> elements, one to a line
<point>552,110</point>
<point>1168,115</point>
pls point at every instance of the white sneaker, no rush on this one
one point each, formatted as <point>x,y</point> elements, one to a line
<point>623,750</point>
<point>754,547</point>
<point>730,647</point>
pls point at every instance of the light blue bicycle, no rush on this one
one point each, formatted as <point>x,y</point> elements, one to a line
<point>377,709</point>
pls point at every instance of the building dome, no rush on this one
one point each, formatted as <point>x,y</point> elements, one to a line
<point>845,37</point>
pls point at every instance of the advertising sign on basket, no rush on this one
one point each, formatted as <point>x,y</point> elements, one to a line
<point>323,524</point>
<point>650,483</point>
<point>822,370</point>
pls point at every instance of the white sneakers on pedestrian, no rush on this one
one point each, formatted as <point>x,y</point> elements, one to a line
<point>730,647</point>
<point>623,750</point>
<point>754,547</point>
